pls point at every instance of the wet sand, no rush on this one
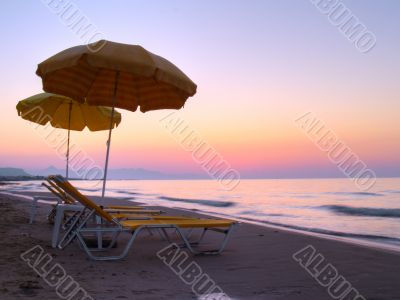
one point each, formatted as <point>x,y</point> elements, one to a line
<point>257,264</point>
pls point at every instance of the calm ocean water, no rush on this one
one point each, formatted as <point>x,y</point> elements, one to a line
<point>330,206</point>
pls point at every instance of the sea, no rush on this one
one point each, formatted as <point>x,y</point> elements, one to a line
<point>333,208</point>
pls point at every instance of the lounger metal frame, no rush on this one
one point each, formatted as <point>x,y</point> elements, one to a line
<point>79,228</point>
<point>58,212</point>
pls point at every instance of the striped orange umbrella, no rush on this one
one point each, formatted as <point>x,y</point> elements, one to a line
<point>137,77</point>
<point>116,75</point>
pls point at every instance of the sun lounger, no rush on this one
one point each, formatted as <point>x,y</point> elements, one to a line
<point>81,226</point>
<point>66,199</point>
<point>61,198</point>
<point>66,203</point>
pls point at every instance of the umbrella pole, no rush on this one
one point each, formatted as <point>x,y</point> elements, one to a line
<point>107,155</point>
<point>69,129</point>
<point>66,170</point>
<point>109,134</point>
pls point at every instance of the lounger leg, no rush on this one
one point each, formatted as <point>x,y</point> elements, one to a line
<point>184,239</point>
<point>61,208</point>
<point>149,231</point>
<point>99,235</point>
<point>135,233</point>
<point>194,243</point>
<point>117,257</point>
<point>70,220</point>
<point>71,232</point>
<point>227,237</point>
<point>33,209</point>
<point>114,239</point>
<point>161,234</point>
<point>202,236</point>
<point>165,234</point>
<point>189,233</point>
<point>57,226</point>
<point>227,233</point>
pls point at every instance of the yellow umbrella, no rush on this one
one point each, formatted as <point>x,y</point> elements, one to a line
<point>116,75</point>
<point>63,112</point>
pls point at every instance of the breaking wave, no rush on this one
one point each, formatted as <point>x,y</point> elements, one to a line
<point>213,203</point>
<point>369,194</point>
<point>364,211</point>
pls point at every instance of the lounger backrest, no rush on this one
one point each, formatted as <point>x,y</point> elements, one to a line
<point>71,190</point>
<point>53,191</point>
<point>57,191</point>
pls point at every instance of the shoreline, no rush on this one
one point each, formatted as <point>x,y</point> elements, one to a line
<point>384,247</point>
<point>257,263</point>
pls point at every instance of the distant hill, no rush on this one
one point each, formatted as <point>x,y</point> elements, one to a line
<point>16,174</point>
<point>121,174</point>
<point>51,170</point>
<point>4,172</point>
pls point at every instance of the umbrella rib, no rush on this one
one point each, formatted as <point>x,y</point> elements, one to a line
<point>137,94</point>
<point>91,85</point>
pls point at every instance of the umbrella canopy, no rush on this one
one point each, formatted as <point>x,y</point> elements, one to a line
<point>137,77</point>
<point>117,75</point>
<point>63,112</point>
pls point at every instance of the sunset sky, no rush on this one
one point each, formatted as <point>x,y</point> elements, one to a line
<point>259,65</point>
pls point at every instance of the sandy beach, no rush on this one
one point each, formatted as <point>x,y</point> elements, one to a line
<point>257,264</point>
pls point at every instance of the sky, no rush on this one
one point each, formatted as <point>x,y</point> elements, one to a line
<point>259,65</point>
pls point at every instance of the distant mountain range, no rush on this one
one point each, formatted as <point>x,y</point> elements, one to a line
<point>118,174</point>
<point>11,172</point>
<point>144,174</point>
<point>15,174</point>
